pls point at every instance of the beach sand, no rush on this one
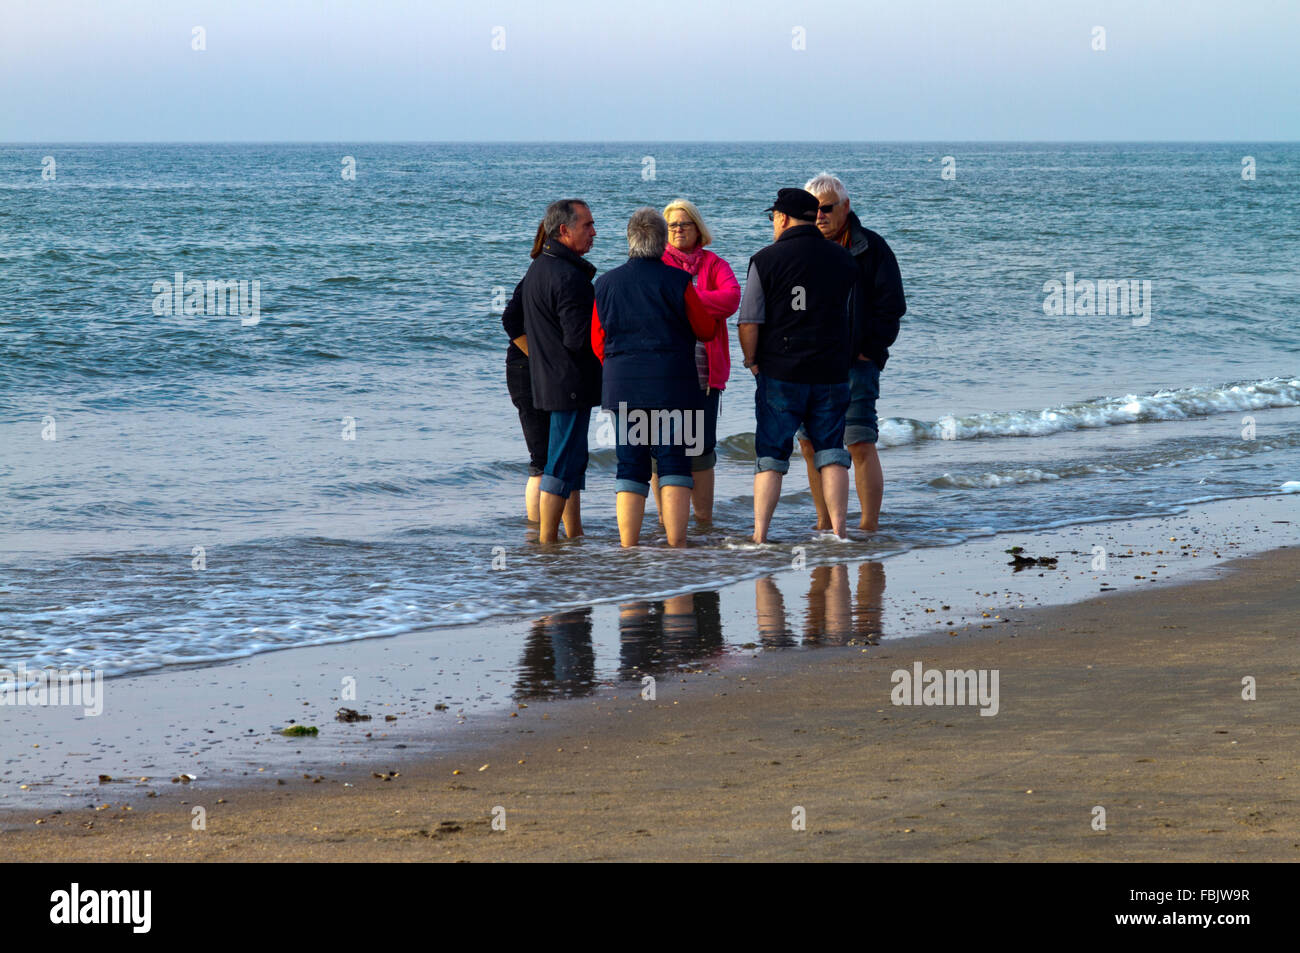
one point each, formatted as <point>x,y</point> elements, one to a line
<point>1131,701</point>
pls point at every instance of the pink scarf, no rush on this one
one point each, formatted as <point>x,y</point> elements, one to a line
<point>688,261</point>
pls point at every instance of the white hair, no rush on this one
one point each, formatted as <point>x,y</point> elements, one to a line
<point>825,182</point>
<point>647,233</point>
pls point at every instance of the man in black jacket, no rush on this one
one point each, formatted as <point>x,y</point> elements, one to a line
<point>557,296</point>
<point>795,332</point>
<point>877,303</point>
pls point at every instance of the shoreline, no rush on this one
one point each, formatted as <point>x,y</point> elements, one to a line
<point>1129,702</point>
<point>841,636</point>
<point>435,692</point>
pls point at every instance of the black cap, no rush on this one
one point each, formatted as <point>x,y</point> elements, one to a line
<point>796,203</point>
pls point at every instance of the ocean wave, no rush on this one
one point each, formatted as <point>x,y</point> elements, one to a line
<point>1138,462</point>
<point>988,481</point>
<point>1163,405</point>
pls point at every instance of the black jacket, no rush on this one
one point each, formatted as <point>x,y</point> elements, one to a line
<point>877,300</point>
<point>557,296</point>
<point>512,319</point>
<point>807,281</point>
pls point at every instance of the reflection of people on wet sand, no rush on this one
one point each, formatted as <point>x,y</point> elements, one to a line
<point>558,657</point>
<point>831,618</point>
<point>869,612</point>
<point>655,637</point>
<point>770,609</point>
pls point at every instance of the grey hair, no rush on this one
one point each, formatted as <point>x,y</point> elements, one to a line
<point>825,182</point>
<point>563,212</point>
<point>647,233</point>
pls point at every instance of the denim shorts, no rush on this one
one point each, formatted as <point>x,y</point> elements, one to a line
<point>634,459</point>
<point>707,458</point>
<point>781,406</point>
<point>566,452</point>
<point>860,423</point>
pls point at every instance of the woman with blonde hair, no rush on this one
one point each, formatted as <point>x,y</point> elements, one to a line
<point>716,285</point>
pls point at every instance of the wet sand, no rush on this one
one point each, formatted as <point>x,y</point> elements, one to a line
<point>1131,702</point>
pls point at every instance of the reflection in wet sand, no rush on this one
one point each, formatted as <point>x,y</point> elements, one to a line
<point>833,617</point>
<point>658,637</point>
<point>769,603</point>
<point>869,614</point>
<point>655,637</point>
<point>558,657</point>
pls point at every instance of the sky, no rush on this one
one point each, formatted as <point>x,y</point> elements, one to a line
<point>613,70</point>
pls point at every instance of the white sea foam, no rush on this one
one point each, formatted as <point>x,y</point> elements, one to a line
<point>1179,404</point>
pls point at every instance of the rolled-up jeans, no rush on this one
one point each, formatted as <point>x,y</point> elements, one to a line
<point>781,406</point>
<point>861,424</point>
<point>636,449</point>
<point>566,452</point>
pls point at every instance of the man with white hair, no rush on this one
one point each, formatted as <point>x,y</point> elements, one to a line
<point>876,305</point>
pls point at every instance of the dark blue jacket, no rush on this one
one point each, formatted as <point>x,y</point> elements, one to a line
<point>649,345</point>
<point>556,296</point>
<point>877,301</point>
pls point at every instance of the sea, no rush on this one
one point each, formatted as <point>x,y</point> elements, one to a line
<point>1094,332</point>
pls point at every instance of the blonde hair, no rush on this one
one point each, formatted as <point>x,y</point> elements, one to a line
<point>685,205</point>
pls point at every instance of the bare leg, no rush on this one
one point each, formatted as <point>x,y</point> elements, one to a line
<point>659,499</point>
<point>631,511</point>
<point>702,495</point>
<point>835,482</point>
<point>870,480</point>
<point>676,511</point>
<point>573,515</point>
<point>551,508</point>
<point>532,505</point>
<point>767,490</point>
<point>815,484</point>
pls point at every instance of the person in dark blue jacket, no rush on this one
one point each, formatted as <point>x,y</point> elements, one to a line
<point>645,321</point>
<point>877,304</point>
<point>556,297</point>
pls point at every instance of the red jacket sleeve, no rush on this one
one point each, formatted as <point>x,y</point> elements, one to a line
<point>702,322</point>
<point>597,335</point>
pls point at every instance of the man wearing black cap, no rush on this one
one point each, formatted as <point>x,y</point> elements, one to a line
<point>795,333</point>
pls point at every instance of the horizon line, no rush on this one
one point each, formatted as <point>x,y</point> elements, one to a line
<point>792,142</point>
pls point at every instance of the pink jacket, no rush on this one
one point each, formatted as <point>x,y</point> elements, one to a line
<point>717,287</point>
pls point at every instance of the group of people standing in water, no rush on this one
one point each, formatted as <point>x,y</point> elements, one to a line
<point>648,342</point>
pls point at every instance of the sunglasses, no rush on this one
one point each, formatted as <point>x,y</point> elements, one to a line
<point>827,209</point>
<point>680,226</point>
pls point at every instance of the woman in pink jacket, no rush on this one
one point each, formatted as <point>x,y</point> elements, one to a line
<point>717,287</point>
